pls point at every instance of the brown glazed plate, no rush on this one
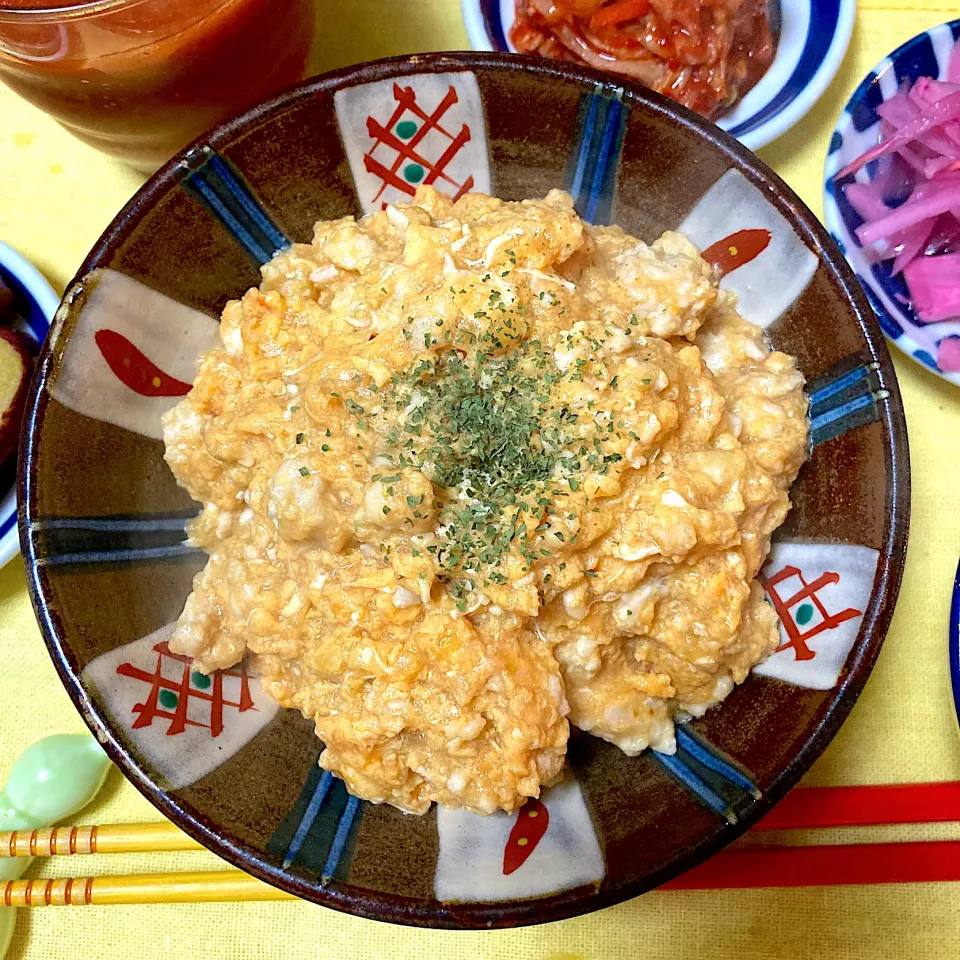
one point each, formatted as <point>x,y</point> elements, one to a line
<point>102,520</point>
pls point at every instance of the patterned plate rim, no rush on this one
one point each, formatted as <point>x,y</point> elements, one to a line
<point>954,644</point>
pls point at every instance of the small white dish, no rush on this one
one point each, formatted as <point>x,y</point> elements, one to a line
<point>814,35</point>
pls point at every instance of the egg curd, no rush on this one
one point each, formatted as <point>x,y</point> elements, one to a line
<point>472,472</point>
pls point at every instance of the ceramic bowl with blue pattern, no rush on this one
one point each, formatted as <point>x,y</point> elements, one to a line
<point>858,129</point>
<point>34,306</point>
<point>109,566</point>
<point>814,35</point>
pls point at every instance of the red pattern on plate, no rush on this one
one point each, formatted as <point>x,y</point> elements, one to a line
<point>787,608</point>
<point>385,135</point>
<point>734,251</point>
<point>136,371</point>
<point>528,830</point>
<point>170,699</point>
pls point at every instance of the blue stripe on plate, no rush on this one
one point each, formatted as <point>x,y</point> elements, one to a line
<point>847,396</point>
<point>824,19</point>
<point>839,243</point>
<point>83,541</point>
<point>706,753</point>
<point>857,412</point>
<point>818,399</point>
<point>695,785</point>
<point>111,525</point>
<point>222,191</point>
<point>818,423</point>
<point>868,98</point>
<point>927,360</point>
<point>340,839</point>
<point>919,61</point>
<point>895,287</point>
<point>223,175</point>
<point>600,203</point>
<point>851,219</point>
<point>309,816</point>
<point>592,172</point>
<point>135,555</point>
<point>955,29</point>
<point>317,833</point>
<point>8,523</point>
<point>587,124</point>
<point>219,209</point>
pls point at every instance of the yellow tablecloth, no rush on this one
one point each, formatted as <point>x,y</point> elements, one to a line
<point>56,196</point>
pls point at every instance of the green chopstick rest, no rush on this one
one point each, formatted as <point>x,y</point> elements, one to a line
<point>50,781</point>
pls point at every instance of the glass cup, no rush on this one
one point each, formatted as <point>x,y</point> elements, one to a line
<point>139,79</point>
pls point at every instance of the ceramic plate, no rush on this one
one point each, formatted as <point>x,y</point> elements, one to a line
<point>857,130</point>
<point>814,36</point>
<point>36,302</point>
<point>103,519</point>
<point>955,643</point>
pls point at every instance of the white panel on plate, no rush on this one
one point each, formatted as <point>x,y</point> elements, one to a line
<point>768,285</point>
<point>182,724</point>
<point>427,128</point>
<point>820,591</point>
<point>470,865</point>
<point>137,329</point>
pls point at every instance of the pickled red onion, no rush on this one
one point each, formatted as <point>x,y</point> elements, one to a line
<point>914,201</point>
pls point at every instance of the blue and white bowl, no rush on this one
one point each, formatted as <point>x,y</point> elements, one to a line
<point>858,129</point>
<point>36,303</point>
<point>814,35</point>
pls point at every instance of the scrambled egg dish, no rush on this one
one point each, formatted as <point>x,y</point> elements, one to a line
<point>472,472</point>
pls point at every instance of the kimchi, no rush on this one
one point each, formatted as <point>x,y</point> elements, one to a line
<point>705,54</point>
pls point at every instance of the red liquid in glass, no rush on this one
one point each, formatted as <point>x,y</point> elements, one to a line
<point>139,82</point>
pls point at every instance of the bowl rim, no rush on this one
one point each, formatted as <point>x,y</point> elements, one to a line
<point>837,225</point>
<point>953,645</point>
<point>876,619</point>
<point>764,133</point>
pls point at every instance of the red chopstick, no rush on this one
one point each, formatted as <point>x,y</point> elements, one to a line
<point>862,806</point>
<point>860,864</point>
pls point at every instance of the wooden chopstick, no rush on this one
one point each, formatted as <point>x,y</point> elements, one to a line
<point>807,808</point>
<point>775,866</point>
<point>771,867</point>
<point>109,838</point>
<point>232,885</point>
